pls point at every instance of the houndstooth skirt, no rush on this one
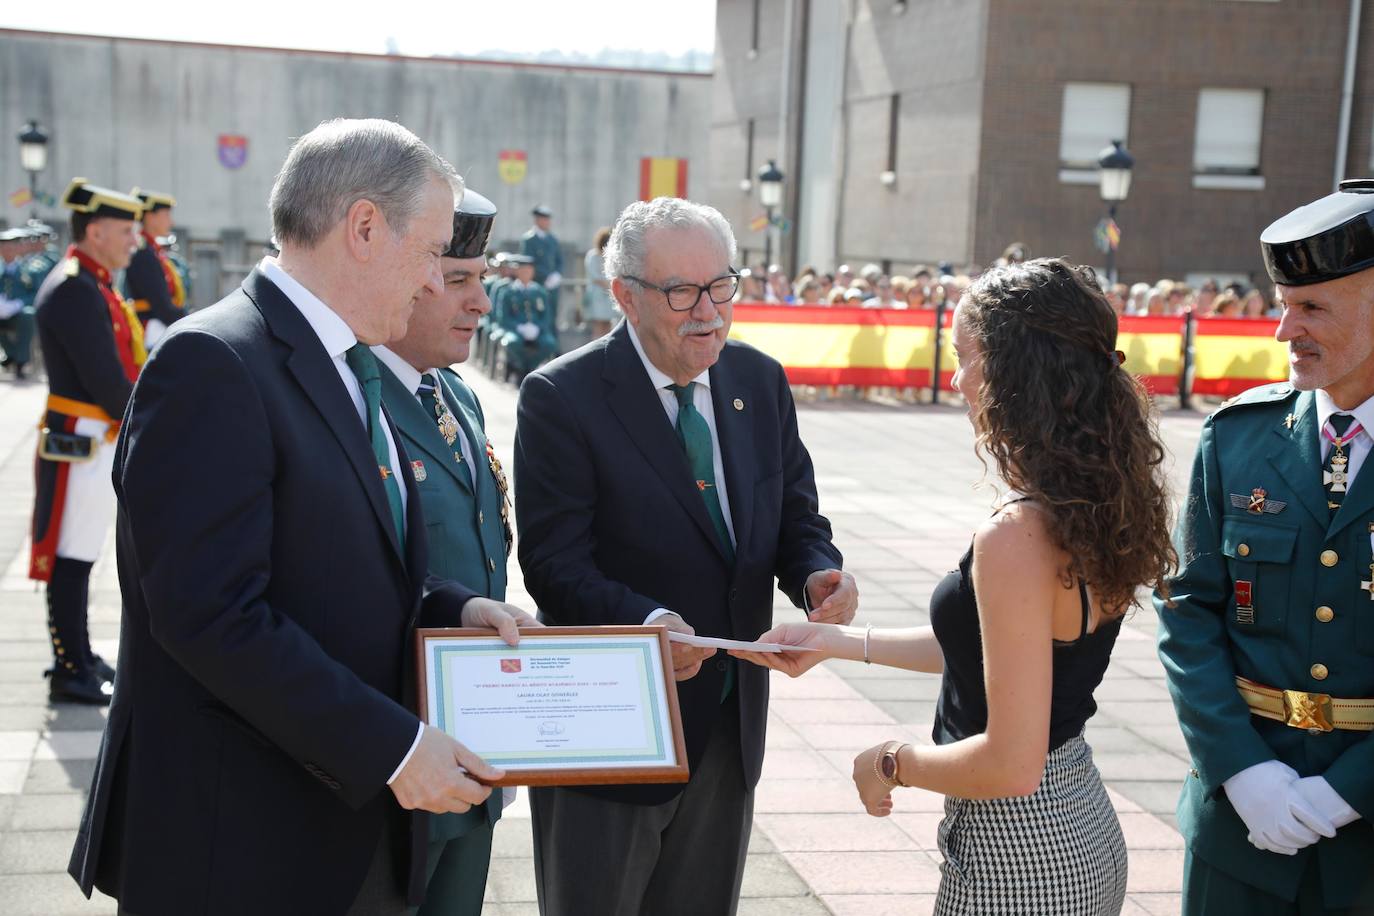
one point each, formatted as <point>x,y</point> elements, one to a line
<point>1056,852</point>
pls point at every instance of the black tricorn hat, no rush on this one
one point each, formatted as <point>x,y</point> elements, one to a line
<point>473,217</point>
<point>154,200</point>
<point>1327,239</point>
<point>96,201</point>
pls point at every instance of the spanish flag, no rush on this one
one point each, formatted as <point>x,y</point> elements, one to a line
<point>660,176</point>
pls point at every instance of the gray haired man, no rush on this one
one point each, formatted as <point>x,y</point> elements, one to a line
<point>261,756</point>
<point>660,479</point>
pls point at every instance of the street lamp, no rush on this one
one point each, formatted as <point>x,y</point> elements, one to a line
<point>33,156</point>
<point>1114,178</point>
<point>770,195</point>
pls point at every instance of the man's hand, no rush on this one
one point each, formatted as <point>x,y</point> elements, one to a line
<point>834,596</point>
<point>505,619</point>
<point>442,776</point>
<point>1278,817</point>
<point>686,659</point>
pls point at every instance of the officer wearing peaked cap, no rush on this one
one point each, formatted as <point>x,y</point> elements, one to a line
<point>541,244</point>
<point>1267,634</point>
<point>462,488</point>
<point>152,282</point>
<point>93,348</point>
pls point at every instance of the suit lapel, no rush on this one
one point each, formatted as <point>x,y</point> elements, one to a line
<point>419,427</point>
<point>632,399</point>
<point>736,434</point>
<point>1297,457</point>
<point>315,373</point>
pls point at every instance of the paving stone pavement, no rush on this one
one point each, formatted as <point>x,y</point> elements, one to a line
<point>901,487</point>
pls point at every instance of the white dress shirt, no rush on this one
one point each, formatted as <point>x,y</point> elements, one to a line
<point>337,338</point>
<point>701,400</point>
<point>410,378</point>
<point>1356,450</point>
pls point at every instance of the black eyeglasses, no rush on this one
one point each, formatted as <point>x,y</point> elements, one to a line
<point>683,297</point>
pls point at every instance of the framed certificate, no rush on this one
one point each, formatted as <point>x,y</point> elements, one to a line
<point>568,706</point>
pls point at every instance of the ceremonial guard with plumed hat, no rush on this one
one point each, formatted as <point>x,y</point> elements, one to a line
<point>93,348</point>
<point>152,282</point>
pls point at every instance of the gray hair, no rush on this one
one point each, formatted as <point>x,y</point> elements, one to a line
<point>625,252</point>
<point>343,161</point>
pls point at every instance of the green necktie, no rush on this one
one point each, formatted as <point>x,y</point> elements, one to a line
<point>696,442</point>
<point>364,365</point>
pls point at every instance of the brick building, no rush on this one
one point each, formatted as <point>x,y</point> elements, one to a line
<point>933,130</point>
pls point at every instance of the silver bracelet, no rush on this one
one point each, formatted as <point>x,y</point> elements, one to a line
<point>867,630</point>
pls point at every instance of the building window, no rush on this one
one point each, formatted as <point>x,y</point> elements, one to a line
<point>1226,151</point>
<point>1094,115</point>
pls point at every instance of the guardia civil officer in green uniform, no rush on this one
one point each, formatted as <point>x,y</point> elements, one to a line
<point>464,493</point>
<point>523,321</point>
<point>540,243</point>
<point>1268,633</point>
<point>16,302</point>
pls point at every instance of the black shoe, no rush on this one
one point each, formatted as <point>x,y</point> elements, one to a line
<point>103,669</point>
<point>78,687</point>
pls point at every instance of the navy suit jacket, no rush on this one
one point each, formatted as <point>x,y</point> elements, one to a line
<point>264,660</point>
<point>611,525</point>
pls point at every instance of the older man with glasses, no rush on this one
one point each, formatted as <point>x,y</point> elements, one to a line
<point>660,479</point>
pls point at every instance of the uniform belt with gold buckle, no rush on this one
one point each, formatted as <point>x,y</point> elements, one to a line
<point>1316,712</point>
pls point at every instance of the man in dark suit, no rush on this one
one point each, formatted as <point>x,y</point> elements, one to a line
<point>272,562</point>
<point>660,479</point>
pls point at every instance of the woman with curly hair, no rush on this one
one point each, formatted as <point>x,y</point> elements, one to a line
<point>1023,630</point>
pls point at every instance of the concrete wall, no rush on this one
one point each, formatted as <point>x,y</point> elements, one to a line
<point>124,112</point>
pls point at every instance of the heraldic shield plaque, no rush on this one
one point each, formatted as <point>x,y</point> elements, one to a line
<point>568,706</point>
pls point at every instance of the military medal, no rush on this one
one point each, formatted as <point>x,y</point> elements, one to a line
<point>504,488</point>
<point>1258,502</point>
<point>1337,479</point>
<point>448,423</point>
<point>1245,607</point>
<point>418,469</point>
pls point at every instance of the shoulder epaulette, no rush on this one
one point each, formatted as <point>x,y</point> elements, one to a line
<point>1263,394</point>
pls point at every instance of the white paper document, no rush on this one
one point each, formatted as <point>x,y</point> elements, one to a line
<point>715,642</point>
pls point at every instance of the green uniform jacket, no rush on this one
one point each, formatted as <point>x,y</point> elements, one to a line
<point>467,541</point>
<point>548,256</point>
<point>1296,560</point>
<point>514,306</point>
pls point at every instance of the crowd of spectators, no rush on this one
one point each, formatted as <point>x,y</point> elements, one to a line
<point>925,287</point>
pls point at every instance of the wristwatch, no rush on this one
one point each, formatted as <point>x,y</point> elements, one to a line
<point>886,764</point>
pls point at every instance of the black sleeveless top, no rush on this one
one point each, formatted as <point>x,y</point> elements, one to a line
<point>962,709</point>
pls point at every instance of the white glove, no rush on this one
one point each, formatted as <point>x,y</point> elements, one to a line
<point>1319,794</point>
<point>553,280</point>
<point>528,330</point>
<point>153,332</point>
<point>9,307</point>
<point>1279,819</point>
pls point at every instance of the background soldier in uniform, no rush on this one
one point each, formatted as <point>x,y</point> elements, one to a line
<point>541,244</point>
<point>152,282</point>
<point>1268,635</point>
<point>463,490</point>
<point>523,321</point>
<point>93,348</point>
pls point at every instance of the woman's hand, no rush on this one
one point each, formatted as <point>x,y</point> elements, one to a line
<point>873,793</point>
<point>813,636</point>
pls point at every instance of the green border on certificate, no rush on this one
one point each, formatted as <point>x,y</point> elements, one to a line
<point>656,750</point>
<point>568,706</point>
